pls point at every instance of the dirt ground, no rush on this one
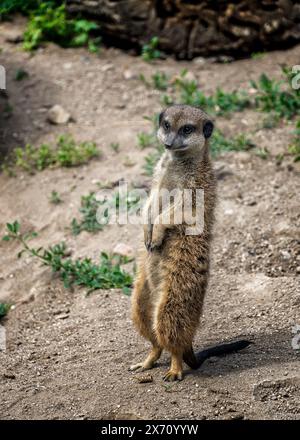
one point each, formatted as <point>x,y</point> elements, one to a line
<point>67,354</point>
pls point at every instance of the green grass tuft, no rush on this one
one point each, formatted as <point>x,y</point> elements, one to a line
<point>66,153</point>
<point>108,274</point>
<point>150,50</point>
<point>4,309</point>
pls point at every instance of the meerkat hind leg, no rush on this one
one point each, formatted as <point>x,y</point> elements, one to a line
<point>149,362</point>
<point>175,371</point>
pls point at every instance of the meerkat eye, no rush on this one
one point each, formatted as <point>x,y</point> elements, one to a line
<point>166,125</point>
<point>187,129</point>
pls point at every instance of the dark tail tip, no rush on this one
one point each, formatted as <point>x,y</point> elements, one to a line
<point>195,361</point>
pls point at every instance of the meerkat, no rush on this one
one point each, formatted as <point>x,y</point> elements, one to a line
<point>173,270</point>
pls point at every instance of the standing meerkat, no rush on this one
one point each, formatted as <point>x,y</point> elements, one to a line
<point>173,270</point>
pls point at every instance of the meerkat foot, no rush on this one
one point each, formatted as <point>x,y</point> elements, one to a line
<point>171,376</point>
<point>175,371</point>
<point>149,362</point>
<point>142,366</point>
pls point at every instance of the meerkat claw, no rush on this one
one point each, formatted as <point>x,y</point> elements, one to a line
<point>172,376</point>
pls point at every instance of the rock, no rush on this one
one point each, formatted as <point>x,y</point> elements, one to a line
<point>58,115</point>
<point>123,250</point>
<point>107,67</point>
<point>199,61</point>
<point>128,74</point>
<point>14,37</point>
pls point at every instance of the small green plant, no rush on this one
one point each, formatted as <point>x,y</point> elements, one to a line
<point>220,144</point>
<point>94,218</point>
<point>159,81</point>
<point>294,148</point>
<point>262,152</point>
<point>152,158</point>
<point>55,198</point>
<point>108,274</point>
<point>257,55</point>
<point>21,74</point>
<point>23,6</point>
<point>146,140</point>
<point>150,50</point>
<point>186,91</point>
<point>115,146</point>
<point>66,153</point>
<point>49,22</point>
<point>277,97</point>
<point>4,309</point>
<point>270,121</point>
<point>88,209</point>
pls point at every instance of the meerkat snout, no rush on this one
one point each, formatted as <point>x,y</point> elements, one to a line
<point>183,127</point>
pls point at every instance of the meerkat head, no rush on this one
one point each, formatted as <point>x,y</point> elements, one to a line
<point>184,127</point>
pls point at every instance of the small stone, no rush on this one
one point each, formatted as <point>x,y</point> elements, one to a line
<point>199,61</point>
<point>128,74</point>
<point>58,115</point>
<point>124,250</point>
<point>107,67</point>
<point>285,255</point>
<point>14,37</point>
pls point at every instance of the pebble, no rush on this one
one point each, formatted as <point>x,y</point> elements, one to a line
<point>58,115</point>
<point>124,250</point>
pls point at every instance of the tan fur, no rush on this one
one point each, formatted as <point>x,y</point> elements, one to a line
<point>172,277</point>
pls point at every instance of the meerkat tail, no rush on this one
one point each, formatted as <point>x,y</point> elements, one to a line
<point>194,361</point>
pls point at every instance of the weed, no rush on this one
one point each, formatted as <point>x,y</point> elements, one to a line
<point>187,92</point>
<point>4,308</point>
<point>94,218</point>
<point>272,97</point>
<point>49,22</point>
<point>108,274</point>
<point>294,148</point>
<point>152,158</point>
<point>89,222</point>
<point>160,81</point>
<point>67,153</point>
<point>262,152</point>
<point>146,140</point>
<point>257,55</point>
<point>115,146</point>
<point>220,144</point>
<point>21,74</point>
<point>24,6</point>
<point>270,121</point>
<point>128,162</point>
<point>55,198</point>
<point>150,50</point>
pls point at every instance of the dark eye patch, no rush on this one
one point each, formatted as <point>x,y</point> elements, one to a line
<point>187,129</point>
<point>208,129</point>
<point>166,125</point>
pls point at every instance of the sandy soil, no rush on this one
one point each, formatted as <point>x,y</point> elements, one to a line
<point>67,354</point>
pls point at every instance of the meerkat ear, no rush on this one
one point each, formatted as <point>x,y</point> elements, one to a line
<point>208,128</point>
